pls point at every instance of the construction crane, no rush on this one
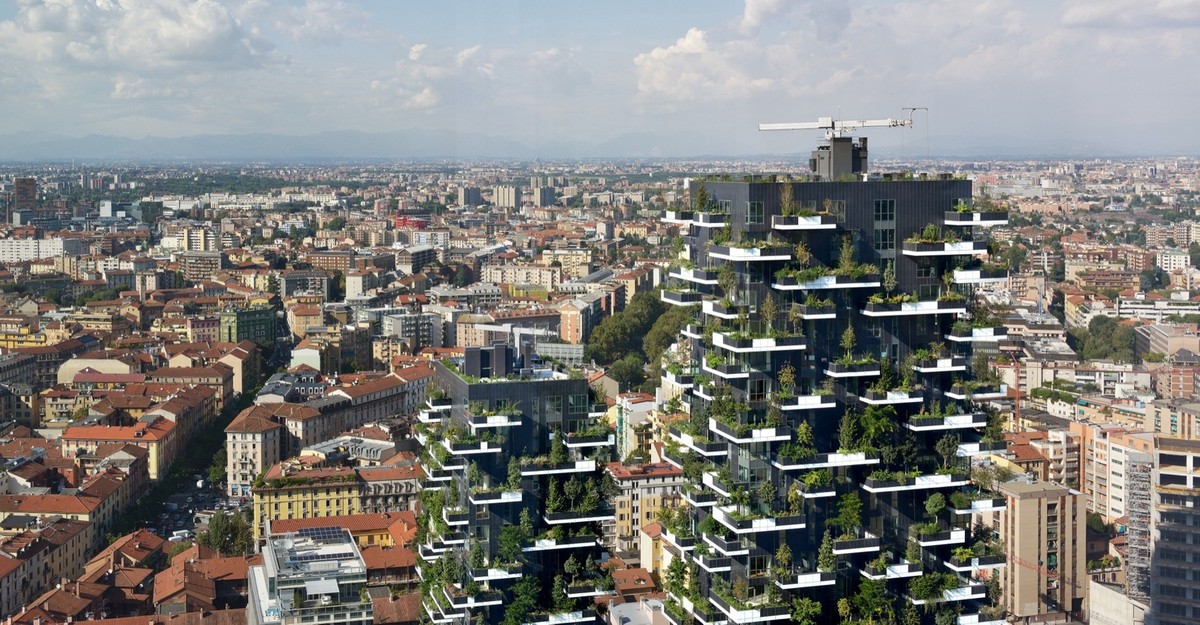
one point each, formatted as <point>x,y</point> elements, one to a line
<point>835,128</point>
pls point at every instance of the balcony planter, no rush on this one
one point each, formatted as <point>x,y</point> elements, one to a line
<point>710,220</point>
<point>481,599</point>
<point>683,379</point>
<point>494,421</point>
<point>578,466</point>
<point>681,298</point>
<point>455,519</point>
<point>983,505</point>
<point>903,309</point>
<point>727,516</point>
<point>565,518</point>
<point>678,217</point>
<point>978,563</point>
<point>978,334</point>
<point>696,276</point>
<point>496,574</point>
<point>726,341</point>
<point>952,422</point>
<point>806,402</point>
<point>988,392</point>
<point>940,365</point>
<point>701,499</point>
<point>682,543</point>
<point>441,403</point>
<point>902,569</point>
<point>750,435</point>
<point>794,581</point>
<point>891,398</point>
<point>921,482</point>
<point>812,222</point>
<point>714,564</point>
<point>985,275</point>
<point>488,498</point>
<point>832,281</point>
<point>948,537</point>
<point>702,448</point>
<point>816,492</point>
<point>726,371</point>
<point>965,593</point>
<point>586,591</point>
<point>852,370</point>
<point>816,312</point>
<point>865,543</point>
<point>590,440</point>
<point>727,548</point>
<point>718,485</point>
<point>718,309</point>
<point>822,461</point>
<point>482,447</point>
<point>757,614</point>
<point>981,448</point>
<point>550,544</point>
<point>747,254</point>
<point>693,331</point>
<point>955,248</point>
<point>975,218</point>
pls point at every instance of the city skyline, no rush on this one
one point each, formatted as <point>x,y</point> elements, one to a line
<point>549,80</point>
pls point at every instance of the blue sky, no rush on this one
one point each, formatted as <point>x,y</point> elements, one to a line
<point>685,76</point>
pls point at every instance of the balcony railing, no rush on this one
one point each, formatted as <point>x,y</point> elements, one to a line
<point>953,248</point>
<point>900,570</point>
<point>704,448</point>
<point>903,309</point>
<point>815,312</point>
<point>921,482</point>
<point>980,448</point>
<point>983,335</point>
<point>678,217</point>
<point>941,365</point>
<point>749,434</point>
<point>696,276</point>
<point>710,220</point>
<point>551,544</point>
<point>983,505</point>
<point>793,581</point>
<point>949,537</point>
<point>577,466</point>
<point>853,370</point>
<point>892,398</point>
<point>865,543</point>
<point>975,218</point>
<point>729,517</point>
<point>980,276</point>
<point>832,281</point>
<point>735,253</point>
<point>978,563</point>
<point>747,614</point>
<point>822,461</point>
<point>806,402</point>
<point>979,393</point>
<point>810,222</point>
<point>753,345</point>
<point>681,298</point>
<point>565,518</point>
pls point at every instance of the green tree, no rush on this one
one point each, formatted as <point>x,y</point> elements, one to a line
<point>826,560</point>
<point>849,517</point>
<point>628,371</point>
<point>934,504</point>
<point>217,470</point>
<point>872,602</point>
<point>805,611</point>
<point>523,602</point>
<point>336,224</point>
<point>947,447</point>
<point>769,312</point>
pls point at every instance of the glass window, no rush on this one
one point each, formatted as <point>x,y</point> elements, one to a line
<point>758,390</point>
<point>554,406</point>
<point>578,404</point>
<point>726,205</point>
<point>885,239</point>
<point>754,212</point>
<point>925,269</point>
<point>885,210</point>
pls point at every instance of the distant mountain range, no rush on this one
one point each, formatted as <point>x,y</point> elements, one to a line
<point>426,144</point>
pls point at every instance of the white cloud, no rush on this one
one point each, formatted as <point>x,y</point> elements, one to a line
<point>414,53</point>
<point>319,21</point>
<point>692,68</point>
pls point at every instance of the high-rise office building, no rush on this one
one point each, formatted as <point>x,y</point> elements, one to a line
<point>515,505</point>
<point>834,404</point>
<point>1175,532</point>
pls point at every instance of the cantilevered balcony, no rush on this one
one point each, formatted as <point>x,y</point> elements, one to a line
<point>751,253</point>
<point>983,392</point>
<point>751,614</point>
<point>963,593</point>
<point>697,444</point>
<point>577,440</point>
<point>796,580</point>
<point>682,217</point>
<point>681,297</point>
<point>455,518</point>
<point>742,522</point>
<point>910,309</point>
<point>940,365</point>
<point>816,312</point>
<point>730,548</point>
<point>478,422</point>
<point>495,497</point>
<point>682,543</point>
<point>983,275</point>
<point>726,370</point>
<point>480,599</point>
<point>700,498</point>
<point>892,398</point>
<point>571,517</point>
<point>722,310</point>
<point>825,461</point>
<point>696,276</point>
<point>749,434</point>
<point>586,591</point>
<point>806,402</point>
<point>861,369</point>
<point>728,342</point>
<point>863,542</point>
<point>471,448</point>
<point>975,218</point>
<point>577,466</point>
<point>714,564</point>
<point>952,422</point>
<point>513,571</point>
<point>832,281</point>
<point>944,248</point>
<point>920,482</point>
<point>954,536</point>
<point>683,378</point>
<point>554,544</point>
<point>900,570</point>
<point>978,335</point>
<point>981,448</point>
<point>693,331</point>
<point>977,563</point>
<point>982,505</point>
<point>710,220</point>
<point>807,222</point>
<point>562,618</point>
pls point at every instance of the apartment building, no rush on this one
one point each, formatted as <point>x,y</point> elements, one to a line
<point>645,489</point>
<point>1044,529</point>
<point>309,576</point>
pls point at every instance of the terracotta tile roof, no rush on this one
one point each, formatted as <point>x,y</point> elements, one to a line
<point>378,558</point>
<point>396,609</point>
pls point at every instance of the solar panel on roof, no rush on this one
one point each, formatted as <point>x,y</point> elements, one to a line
<point>323,533</point>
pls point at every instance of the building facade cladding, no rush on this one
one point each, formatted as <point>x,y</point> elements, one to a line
<point>1175,532</point>
<point>503,430</point>
<point>750,438</point>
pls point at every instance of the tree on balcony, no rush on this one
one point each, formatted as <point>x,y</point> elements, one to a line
<point>871,602</point>
<point>805,611</point>
<point>849,517</point>
<point>826,560</point>
<point>947,447</point>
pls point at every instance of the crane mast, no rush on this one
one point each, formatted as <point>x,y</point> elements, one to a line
<point>841,157</point>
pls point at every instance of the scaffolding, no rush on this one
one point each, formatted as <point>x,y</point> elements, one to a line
<point>1139,471</point>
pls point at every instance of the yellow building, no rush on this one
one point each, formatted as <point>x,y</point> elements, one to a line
<point>644,490</point>
<point>291,490</point>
